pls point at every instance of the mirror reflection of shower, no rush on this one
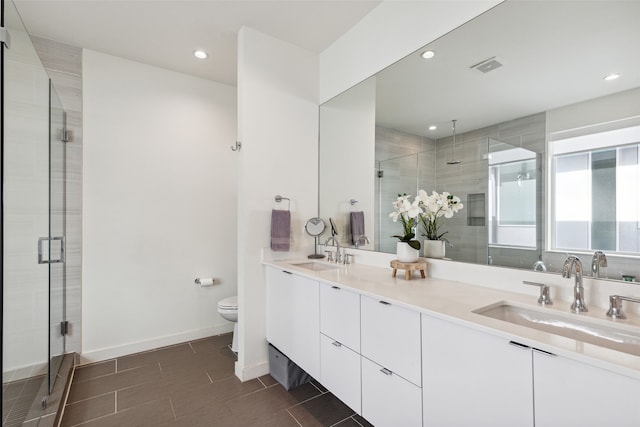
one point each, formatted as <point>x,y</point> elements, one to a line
<point>512,196</point>
<point>453,160</point>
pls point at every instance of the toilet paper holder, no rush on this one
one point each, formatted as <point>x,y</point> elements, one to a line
<point>204,282</point>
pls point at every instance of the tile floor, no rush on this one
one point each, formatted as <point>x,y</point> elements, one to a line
<point>193,384</point>
<point>17,398</point>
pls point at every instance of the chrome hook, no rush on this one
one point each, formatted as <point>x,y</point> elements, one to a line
<point>237,147</point>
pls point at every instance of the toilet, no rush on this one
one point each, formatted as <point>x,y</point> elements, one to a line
<point>228,309</point>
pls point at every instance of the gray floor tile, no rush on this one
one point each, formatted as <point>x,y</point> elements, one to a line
<point>90,409</point>
<point>322,411</point>
<point>94,370</point>
<point>192,385</point>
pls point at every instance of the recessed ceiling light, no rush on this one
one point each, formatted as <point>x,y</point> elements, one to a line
<point>612,76</point>
<point>200,54</point>
<point>428,54</point>
<point>433,127</point>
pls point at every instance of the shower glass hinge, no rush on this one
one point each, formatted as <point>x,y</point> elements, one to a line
<point>380,174</point>
<point>5,37</point>
<point>64,327</point>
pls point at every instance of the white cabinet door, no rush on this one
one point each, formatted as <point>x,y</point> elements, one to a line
<point>389,400</point>
<point>340,371</point>
<point>390,336</point>
<point>340,315</point>
<point>570,393</point>
<point>279,285</point>
<point>293,318</point>
<point>472,378</point>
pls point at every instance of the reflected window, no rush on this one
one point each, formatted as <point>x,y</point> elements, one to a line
<point>595,181</point>
<point>512,198</point>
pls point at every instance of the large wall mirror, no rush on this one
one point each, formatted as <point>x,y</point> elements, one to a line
<point>545,154</point>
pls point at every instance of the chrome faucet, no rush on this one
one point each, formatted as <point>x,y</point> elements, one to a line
<point>337,244</point>
<point>539,265</point>
<point>573,263</point>
<point>598,260</point>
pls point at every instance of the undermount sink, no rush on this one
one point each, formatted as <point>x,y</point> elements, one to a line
<point>617,337</point>
<point>316,266</point>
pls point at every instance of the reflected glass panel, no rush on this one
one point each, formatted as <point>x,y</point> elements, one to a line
<point>399,176</point>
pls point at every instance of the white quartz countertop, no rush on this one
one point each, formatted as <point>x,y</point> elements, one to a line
<point>456,301</point>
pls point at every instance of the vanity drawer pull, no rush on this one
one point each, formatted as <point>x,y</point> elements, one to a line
<point>384,302</point>
<point>386,371</point>
<point>335,287</point>
<point>517,344</point>
<point>546,353</point>
<point>287,272</point>
<point>336,344</point>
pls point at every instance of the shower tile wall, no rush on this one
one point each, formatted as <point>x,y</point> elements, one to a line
<point>470,177</point>
<point>64,66</point>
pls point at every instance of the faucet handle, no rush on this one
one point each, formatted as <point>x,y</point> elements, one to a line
<point>346,258</point>
<point>329,256</point>
<point>615,306</point>
<point>545,294</point>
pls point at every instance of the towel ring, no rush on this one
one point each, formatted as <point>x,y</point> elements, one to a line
<point>353,202</point>
<point>279,199</point>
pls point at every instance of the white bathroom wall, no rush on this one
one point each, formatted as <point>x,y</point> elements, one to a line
<point>347,127</point>
<point>391,31</point>
<point>621,105</point>
<point>159,199</point>
<point>278,128</point>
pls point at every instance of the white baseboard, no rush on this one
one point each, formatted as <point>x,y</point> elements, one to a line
<point>246,373</point>
<point>137,347</point>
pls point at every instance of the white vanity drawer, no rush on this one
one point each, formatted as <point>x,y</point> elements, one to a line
<point>340,371</point>
<point>391,337</point>
<point>389,400</point>
<point>340,315</point>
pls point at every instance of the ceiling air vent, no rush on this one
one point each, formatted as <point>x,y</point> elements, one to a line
<point>487,65</point>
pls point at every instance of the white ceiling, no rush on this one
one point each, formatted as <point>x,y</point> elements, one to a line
<point>554,53</point>
<point>166,32</point>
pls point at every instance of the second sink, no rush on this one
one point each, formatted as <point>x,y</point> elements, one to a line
<point>616,337</point>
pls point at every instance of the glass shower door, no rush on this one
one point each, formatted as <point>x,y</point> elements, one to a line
<point>56,240</point>
<point>25,215</point>
<point>33,226</point>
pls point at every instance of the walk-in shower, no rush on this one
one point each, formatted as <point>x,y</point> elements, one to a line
<point>33,228</point>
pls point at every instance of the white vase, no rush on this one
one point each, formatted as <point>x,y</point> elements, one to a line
<point>434,248</point>
<point>406,253</point>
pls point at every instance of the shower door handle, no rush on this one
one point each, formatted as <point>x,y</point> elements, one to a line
<point>60,259</point>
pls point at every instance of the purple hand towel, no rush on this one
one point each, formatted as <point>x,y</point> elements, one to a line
<point>280,230</point>
<point>356,220</point>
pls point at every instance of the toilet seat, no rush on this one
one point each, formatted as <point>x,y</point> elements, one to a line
<point>230,303</point>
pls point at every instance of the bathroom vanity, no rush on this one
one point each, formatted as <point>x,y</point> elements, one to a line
<point>432,352</point>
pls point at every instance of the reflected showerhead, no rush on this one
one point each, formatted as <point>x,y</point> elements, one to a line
<point>453,160</point>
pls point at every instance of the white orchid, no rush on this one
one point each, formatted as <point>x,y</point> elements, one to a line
<point>408,213</point>
<point>434,207</point>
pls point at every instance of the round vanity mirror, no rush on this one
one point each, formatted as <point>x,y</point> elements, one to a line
<point>315,227</point>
